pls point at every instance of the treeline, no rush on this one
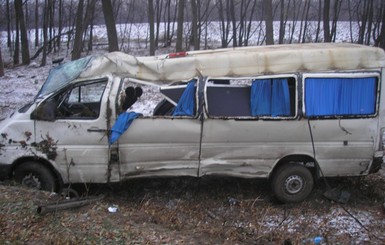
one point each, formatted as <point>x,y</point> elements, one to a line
<point>57,24</point>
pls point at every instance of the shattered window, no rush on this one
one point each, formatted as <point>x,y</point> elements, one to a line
<point>62,75</point>
<point>251,98</point>
<point>152,100</point>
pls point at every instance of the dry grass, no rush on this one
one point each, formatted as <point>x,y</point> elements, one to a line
<point>196,211</point>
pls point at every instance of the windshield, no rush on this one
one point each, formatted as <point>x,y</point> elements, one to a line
<point>62,75</point>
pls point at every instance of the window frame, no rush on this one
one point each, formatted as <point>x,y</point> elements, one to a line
<point>77,85</point>
<point>164,86</point>
<point>251,78</point>
<point>368,74</point>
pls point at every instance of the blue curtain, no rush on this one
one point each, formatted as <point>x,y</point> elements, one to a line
<point>270,98</point>
<point>122,123</point>
<point>340,96</point>
<point>280,103</point>
<point>186,103</point>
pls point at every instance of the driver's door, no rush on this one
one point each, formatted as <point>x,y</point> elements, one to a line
<point>76,140</point>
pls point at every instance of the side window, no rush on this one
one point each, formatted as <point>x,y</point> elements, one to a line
<point>81,101</point>
<point>340,96</point>
<point>251,98</point>
<point>175,100</point>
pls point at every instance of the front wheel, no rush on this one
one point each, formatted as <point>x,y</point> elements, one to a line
<point>292,183</point>
<point>35,175</point>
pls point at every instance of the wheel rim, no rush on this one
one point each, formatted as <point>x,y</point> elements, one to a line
<point>31,181</point>
<point>294,184</point>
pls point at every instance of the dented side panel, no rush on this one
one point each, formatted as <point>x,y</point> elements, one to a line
<point>250,148</point>
<point>160,147</point>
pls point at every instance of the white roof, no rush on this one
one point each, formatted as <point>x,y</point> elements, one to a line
<point>237,62</point>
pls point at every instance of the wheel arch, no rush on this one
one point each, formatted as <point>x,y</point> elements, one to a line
<point>44,162</point>
<point>306,160</point>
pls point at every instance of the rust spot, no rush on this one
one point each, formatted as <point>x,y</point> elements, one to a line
<point>23,143</point>
<point>28,135</point>
<point>4,135</point>
<point>47,146</point>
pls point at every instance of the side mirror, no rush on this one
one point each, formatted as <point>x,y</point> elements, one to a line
<point>45,112</point>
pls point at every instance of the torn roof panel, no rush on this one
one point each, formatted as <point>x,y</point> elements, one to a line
<point>236,62</point>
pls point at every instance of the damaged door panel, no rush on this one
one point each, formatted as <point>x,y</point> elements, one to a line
<point>79,130</point>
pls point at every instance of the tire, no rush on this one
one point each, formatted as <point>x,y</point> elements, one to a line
<point>35,175</point>
<point>292,183</point>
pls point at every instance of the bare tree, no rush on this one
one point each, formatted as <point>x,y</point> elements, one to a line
<point>16,53</point>
<point>1,65</point>
<point>77,46</point>
<point>319,20</point>
<point>179,32</point>
<point>36,23</point>
<point>304,26</point>
<point>170,19</point>
<point>194,25</point>
<point>282,21</point>
<point>268,16</point>
<point>60,24</point>
<point>326,20</point>
<point>23,32</point>
<point>224,23</point>
<point>110,25</point>
<point>8,16</point>
<point>151,21</point>
<point>45,32</point>
<point>159,11</point>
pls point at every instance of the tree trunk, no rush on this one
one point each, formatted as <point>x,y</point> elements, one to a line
<point>370,23</point>
<point>37,23</point>
<point>88,21</point>
<point>16,53</point>
<point>51,23</point>
<point>381,40</point>
<point>23,32</point>
<point>60,27</point>
<point>110,25</point>
<point>45,32</point>
<point>1,65</point>
<point>194,25</point>
<point>159,9</point>
<point>233,23</point>
<point>151,21</point>
<point>326,20</point>
<point>319,20</point>
<point>9,34</point>
<point>268,14</point>
<point>167,36</point>
<point>179,32</point>
<point>77,46</point>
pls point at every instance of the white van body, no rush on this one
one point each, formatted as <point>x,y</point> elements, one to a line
<point>65,132</point>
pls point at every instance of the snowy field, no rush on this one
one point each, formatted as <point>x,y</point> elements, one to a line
<point>20,84</point>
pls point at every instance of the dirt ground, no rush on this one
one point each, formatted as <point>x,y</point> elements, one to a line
<point>212,210</point>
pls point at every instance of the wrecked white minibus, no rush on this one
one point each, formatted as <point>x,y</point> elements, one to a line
<point>289,113</point>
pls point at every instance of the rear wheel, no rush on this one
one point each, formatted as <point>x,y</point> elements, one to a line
<point>292,183</point>
<point>35,175</point>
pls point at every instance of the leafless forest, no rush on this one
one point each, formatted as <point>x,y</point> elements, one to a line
<point>33,29</point>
